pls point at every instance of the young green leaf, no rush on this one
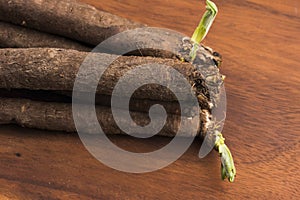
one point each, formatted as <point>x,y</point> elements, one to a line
<point>206,22</point>
<point>227,167</point>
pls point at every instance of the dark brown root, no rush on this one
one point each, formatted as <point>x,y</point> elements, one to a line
<point>67,18</point>
<point>13,36</point>
<point>58,117</point>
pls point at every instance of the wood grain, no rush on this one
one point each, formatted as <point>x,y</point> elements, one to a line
<point>259,41</point>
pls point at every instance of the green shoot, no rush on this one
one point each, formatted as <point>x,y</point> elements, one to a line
<point>206,22</point>
<point>204,26</point>
<point>227,167</point>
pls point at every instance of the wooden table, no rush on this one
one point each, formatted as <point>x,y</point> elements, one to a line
<point>259,41</point>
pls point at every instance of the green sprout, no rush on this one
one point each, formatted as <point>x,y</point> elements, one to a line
<point>227,164</point>
<point>227,167</point>
<point>206,22</point>
<point>203,27</point>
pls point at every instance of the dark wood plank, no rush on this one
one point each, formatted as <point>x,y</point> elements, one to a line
<point>259,42</point>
